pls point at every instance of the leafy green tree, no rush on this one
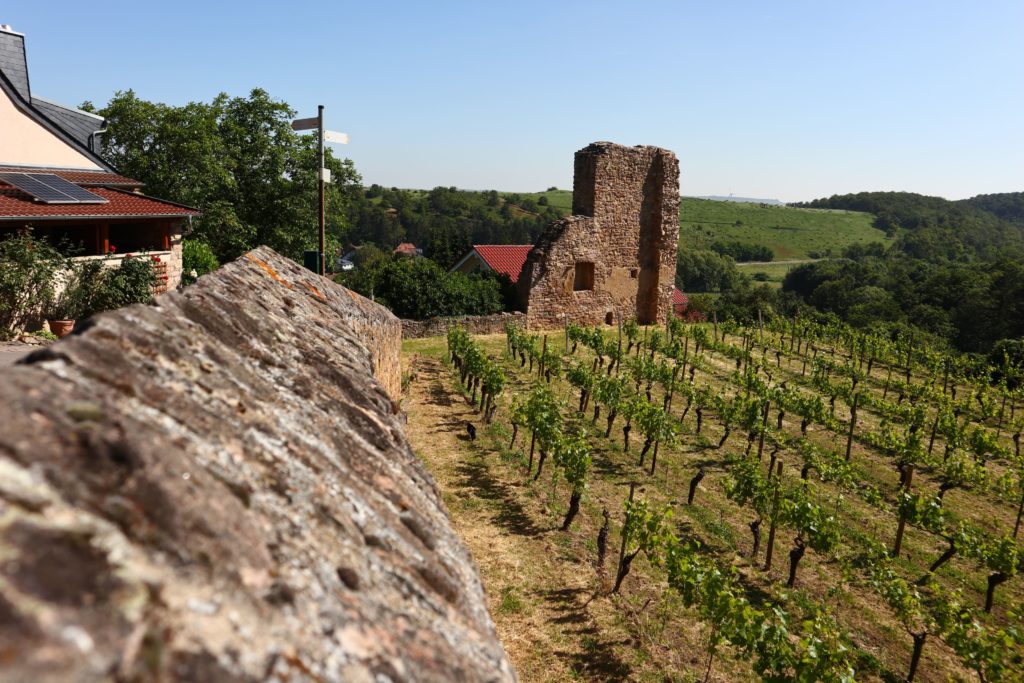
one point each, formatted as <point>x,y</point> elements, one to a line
<point>417,288</point>
<point>238,161</point>
<point>706,271</point>
<point>741,251</point>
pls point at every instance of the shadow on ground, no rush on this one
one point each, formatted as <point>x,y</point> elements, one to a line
<point>477,480</point>
<point>597,660</point>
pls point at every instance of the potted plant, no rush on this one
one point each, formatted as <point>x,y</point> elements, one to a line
<point>65,306</point>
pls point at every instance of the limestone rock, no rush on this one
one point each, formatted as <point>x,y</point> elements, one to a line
<point>216,488</point>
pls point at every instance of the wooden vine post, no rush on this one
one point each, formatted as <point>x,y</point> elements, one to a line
<point>775,514</point>
<point>907,480</point>
<point>543,356</point>
<point>853,424</point>
<point>625,540</point>
<point>764,428</point>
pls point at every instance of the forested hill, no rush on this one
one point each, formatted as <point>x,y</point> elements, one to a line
<point>1009,205</point>
<point>936,229</point>
<point>954,271</point>
<point>445,222</point>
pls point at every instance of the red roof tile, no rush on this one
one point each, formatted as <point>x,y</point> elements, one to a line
<point>407,248</point>
<point>678,298</point>
<point>120,204</point>
<point>504,258</point>
<point>79,177</point>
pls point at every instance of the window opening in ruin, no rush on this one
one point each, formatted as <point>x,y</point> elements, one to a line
<point>609,318</point>
<point>584,280</point>
<point>633,272</point>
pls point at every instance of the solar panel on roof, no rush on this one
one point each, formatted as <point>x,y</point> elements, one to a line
<point>51,189</point>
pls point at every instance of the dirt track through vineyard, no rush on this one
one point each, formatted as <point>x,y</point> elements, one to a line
<point>538,586</point>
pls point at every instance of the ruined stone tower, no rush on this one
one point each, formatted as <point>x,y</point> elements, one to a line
<point>615,257</point>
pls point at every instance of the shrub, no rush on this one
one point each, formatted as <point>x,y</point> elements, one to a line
<point>94,288</point>
<point>28,267</point>
<point>197,259</point>
<point>131,283</point>
<point>741,251</point>
<point>418,289</point>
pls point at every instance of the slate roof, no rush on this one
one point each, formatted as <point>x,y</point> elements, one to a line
<point>16,205</point>
<point>71,125</point>
<point>12,61</point>
<point>504,258</point>
<point>75,122</point>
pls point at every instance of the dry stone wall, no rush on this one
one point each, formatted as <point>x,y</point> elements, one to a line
<point>616,256</point>
<point>216,488</point>
<point>474,324</point>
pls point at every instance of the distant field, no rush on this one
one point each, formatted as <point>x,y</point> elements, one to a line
<point>789,233</point>
<point>776,272</point>
<point>560,199</point>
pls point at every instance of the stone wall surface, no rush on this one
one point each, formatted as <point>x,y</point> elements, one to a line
<point>215,488</point>
<point>474,324</point>
<point>175,264</point>
<point>625,223</point>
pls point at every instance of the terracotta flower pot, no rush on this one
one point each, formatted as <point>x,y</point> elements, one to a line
<point>62,328</point>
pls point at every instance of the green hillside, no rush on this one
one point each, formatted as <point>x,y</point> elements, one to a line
<point>557,199</point>
<point>790,233</point>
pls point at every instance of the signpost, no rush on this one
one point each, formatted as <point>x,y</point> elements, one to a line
<point>323,174</point>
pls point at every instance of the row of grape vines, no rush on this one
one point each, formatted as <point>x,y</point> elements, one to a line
<point>946,418</point>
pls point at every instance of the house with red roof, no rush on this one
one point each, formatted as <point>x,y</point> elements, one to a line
<point>407,249</point>
<point>679,303</point>
<point>54,181</point>
<point>505,259</point>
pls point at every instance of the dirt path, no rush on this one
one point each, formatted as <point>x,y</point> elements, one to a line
<point>537,581</point>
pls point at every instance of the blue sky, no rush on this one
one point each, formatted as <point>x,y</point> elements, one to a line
<point>786,99</point>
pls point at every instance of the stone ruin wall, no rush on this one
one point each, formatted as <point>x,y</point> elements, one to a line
<point>216,488</point>
<point>626,223</point>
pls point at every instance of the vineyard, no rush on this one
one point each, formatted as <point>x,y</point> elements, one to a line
<point>789,501</point>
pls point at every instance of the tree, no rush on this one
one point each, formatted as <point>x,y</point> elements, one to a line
<point>705,271</point>
<point>239,162</point>
<point>418,288</point>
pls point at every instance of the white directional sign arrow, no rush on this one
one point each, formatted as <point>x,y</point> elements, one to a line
<point>334,136</point>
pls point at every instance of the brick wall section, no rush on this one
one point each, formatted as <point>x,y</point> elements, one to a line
<point>474,324</point>
<point>216,488</point>
<point>626,223</point>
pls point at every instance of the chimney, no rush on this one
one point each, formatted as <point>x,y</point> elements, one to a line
<point>13,63</point>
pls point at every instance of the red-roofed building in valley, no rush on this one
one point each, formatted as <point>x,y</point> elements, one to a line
<point>505,259</point>
<point>679,302</point>
<point>54,181</point>
<point>407,249</point>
